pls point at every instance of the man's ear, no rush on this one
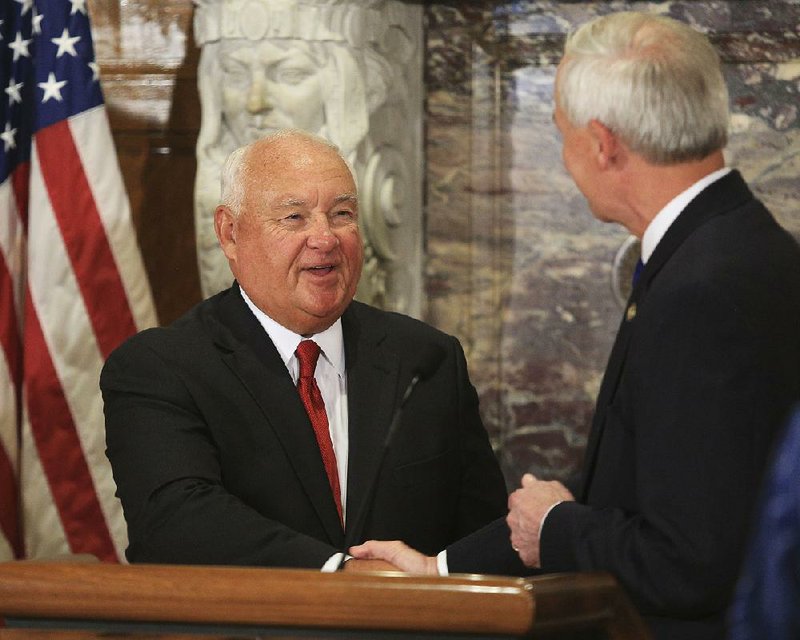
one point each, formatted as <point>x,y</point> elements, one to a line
<point>225,228</point>
<point>607,145</point>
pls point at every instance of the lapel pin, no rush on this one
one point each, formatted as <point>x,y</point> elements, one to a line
<point>630,314</point>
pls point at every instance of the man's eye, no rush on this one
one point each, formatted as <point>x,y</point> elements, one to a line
<point>293,216</point>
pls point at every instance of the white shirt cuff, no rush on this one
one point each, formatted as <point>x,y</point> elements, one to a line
<point>441,563</point>
<point>332,563</point>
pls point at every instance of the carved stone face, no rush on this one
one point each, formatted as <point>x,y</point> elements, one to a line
<point>270,85</point>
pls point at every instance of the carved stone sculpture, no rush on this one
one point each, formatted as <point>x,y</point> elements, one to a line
<point>349,70</point>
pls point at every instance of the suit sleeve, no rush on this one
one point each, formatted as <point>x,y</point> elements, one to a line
<point>167,469</point>
<point>483,495</point>
<point>684,437</point>
<point>487,550</point>
<point>483,544</point>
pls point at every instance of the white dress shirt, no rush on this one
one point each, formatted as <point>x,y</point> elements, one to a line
<point>331,377</point>
<point>663,220</point>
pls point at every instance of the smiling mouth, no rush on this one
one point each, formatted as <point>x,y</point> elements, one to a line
<point>321,270</point>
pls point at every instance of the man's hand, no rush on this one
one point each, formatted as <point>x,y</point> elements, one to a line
<point>398,554</point>
<point>367,566</point>
<point>526,509</point>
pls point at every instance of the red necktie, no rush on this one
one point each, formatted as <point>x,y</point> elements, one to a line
<point>307,355</point>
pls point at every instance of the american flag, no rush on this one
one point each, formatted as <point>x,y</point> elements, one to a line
<point>72,285</point>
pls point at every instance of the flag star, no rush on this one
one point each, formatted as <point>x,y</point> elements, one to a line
<point>52,88</point>
<point>26,5</point>
<point>8,137</point>
<point>95,70</point>
<point>19,46</point>
<point>13,91</point>
<point>66,44</point>
<point>37,22</point>
<point>77,5</point>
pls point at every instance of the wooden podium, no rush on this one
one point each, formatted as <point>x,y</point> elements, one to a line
<point>53,600</point>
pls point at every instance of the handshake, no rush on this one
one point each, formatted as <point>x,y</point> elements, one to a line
<point>528,507</point>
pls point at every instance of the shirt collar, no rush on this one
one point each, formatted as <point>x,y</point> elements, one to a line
<point>658,226</point>
<point>331,341</point>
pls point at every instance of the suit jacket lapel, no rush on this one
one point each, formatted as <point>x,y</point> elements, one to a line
<point>723,195</point>
<point>253,358</point>
<point>607,389</point>
<point>372,376</point>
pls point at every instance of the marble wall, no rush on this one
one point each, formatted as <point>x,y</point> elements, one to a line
<point>517,267</point>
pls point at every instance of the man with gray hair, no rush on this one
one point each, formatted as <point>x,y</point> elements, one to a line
<point>706,363</point>
<point>262,427</point>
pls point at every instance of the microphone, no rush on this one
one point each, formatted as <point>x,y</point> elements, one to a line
<point>429,361</point>
<point>427,364</point>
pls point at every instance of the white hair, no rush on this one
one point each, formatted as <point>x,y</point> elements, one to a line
<point>654,81</point>
<point>236,168</point>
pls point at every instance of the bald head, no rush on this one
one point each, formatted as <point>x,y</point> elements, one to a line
<point>290,149</point>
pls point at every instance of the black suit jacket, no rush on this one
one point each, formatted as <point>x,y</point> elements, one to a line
<point>215,459</point>
<point>705,367</point>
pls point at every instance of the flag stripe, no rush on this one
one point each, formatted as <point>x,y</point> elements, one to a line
<point>92,135</point>
<point>9,331</point>
<point>8,505</point>
<point>5,548</point>
<point>43,531</point>
<point>19,178</point>
<point>9,408</point>
<point>60,449</point>
<point>10,377</point>
<point>84,236</point>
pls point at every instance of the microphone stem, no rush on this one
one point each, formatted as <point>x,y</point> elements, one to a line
<point>358,523</point>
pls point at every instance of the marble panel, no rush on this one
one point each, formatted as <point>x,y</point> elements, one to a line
<point>517,267</point>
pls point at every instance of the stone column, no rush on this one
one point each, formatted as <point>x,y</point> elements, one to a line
<point>348,70</point>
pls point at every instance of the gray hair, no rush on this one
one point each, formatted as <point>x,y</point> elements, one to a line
<point>654,81</point>
<point>236,168</point>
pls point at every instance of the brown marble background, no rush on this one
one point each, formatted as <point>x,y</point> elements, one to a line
<point>516,266</point>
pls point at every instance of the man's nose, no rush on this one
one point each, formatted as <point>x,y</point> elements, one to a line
<point>321,235</point>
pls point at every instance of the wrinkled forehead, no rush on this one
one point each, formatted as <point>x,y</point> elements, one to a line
<point>309,198</point>
<point>297,166</point>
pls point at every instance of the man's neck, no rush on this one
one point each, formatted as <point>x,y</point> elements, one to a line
<point>652,187</point>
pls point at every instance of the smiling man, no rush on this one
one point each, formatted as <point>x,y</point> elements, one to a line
<point>250,431</point>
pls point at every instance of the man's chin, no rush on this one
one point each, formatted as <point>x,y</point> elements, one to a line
<point>602,216</point>
<point>317,318</point>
